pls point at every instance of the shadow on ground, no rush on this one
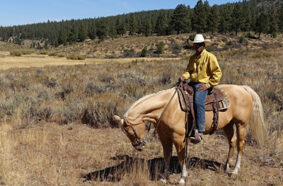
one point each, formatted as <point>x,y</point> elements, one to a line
<point>155,167</point>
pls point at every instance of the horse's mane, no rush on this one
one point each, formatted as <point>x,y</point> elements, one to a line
<point>144,98</point>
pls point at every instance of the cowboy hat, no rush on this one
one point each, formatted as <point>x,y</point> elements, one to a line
<point>199,39</point>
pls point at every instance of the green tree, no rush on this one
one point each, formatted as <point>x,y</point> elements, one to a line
<point>133,24</point>
<point>101,30</point>
<point>73,34</point>
<point>161,25</point>
<point>120,26</point>
<point>213,19</point>
<point>199,21</point>
<point>273,20</point>
<point>144,52</point>
<point>237,18</point>
<point>262,24</point>
<point>92,31</point>
<point>280,15</point>
<point>82,33</point>
<point>225,19</point>
<point>180,21</point>
<point>63,36</point>
<point>147,27</point>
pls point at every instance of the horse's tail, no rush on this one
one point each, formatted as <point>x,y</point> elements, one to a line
<point>258,127</point>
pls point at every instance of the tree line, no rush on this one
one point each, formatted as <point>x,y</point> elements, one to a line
<point>259,16</point>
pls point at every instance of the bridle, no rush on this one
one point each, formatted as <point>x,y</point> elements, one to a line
<point>142,142</point>
<point>139,141</point>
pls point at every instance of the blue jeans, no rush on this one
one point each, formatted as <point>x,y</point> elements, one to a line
<point>199,99</point>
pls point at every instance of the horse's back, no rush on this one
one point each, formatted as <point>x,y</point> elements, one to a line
<point>241,101</point>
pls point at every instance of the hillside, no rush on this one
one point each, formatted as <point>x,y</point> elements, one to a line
<point>260,16</point>
<point>56,123</point>
<point>174,45</point>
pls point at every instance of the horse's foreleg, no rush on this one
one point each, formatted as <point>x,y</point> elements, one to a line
<point>231,136</point>
<point>180,148</point>
<point>241,133</point>
<point>167,152</point>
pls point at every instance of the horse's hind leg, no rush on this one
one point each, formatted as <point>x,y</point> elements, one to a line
<point>241,134</point>
<point>231,136</point>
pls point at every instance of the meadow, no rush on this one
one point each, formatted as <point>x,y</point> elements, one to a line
<point>57,127</point>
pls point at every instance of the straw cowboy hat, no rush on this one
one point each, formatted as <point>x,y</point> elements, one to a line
<point>199,39</point>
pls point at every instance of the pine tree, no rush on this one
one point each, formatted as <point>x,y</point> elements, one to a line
<point>280,15</point>
<point>213,19</point>
<point>73,34</point>
<point>120,26</point>
<point>148,27</point>
<point>161,25</point>
<point>82,33</point>
<point>133,24</point>
<point>247,17</point>
<point>92,31</point>
<point>199,20</point>
<point>262,24</point>
<point>225,19</point>
<point>62,38</point>
<point>180,21</point>
<point>101,30</point>
<point>237,18</point>
<point>273,20</point>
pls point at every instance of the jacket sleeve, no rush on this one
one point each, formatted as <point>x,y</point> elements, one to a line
<point>216,72</point>
<point>187,74</point>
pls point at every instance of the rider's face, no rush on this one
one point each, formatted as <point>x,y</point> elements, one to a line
<point>199,47</point>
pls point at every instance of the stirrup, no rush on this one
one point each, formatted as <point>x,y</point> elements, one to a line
<point>197,138</point>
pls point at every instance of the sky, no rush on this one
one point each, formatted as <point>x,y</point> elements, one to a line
<point>20,12</point>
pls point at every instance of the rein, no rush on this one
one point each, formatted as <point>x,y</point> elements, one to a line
<point>157,123</point>
<point>142,141</point>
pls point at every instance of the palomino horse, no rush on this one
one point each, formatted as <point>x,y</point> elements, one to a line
<point>245,107</point>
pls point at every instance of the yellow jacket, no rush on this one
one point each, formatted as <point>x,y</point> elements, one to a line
<point>203,69</point>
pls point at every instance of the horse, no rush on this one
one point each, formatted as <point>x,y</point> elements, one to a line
<point>245,107</point>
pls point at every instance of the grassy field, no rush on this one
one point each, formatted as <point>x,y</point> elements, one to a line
<point>57,128</point>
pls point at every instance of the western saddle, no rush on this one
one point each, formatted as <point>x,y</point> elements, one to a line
<point>216,101</point>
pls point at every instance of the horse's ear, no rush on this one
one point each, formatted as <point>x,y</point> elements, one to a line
<point>117,118</point>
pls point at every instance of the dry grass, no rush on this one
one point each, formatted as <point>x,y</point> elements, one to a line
<point>51,154</point>
<point>36,149</point>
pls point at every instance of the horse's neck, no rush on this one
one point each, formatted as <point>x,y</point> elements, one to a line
<point>148,105</point>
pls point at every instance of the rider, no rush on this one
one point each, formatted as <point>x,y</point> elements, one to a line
<point>204,72</point>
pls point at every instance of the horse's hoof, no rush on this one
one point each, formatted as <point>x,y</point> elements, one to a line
<point>182,181</point>
<point>235,172</point>
<point>163,180</point>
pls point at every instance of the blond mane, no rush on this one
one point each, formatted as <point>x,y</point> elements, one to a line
<point>144,98</point>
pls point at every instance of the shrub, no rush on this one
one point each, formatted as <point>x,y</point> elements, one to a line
<point>99,114</point>
<point>241,39</point>
<point>274,34</point>
<point>43,52</point>
<point>192,36</point>
<point>15,53</point>
<point>160,48</point>
<point>76,57</point>
<point>53,54</point>
<point>229,43</point>
<point>144,52</point>
<point>26,52</point>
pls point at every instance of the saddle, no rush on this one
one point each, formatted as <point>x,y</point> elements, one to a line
<point>216,101</point>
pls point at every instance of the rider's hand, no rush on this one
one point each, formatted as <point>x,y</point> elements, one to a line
<point>181,79</point>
